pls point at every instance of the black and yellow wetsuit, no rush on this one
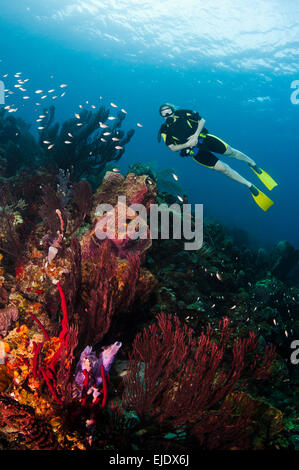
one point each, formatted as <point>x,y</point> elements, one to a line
<point>181,124</point>
<point>177,129</point>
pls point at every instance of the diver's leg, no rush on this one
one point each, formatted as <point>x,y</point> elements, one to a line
<point>234,153</point>
<point>215,144</point>
<point>228,171</point>
<point>260,198</point>
<point>210,160</point>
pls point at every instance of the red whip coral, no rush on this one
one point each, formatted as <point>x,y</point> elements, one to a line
<point>49,374</point>
<point>65,326</point>
<point>49,353</point>
<point>178,380</point>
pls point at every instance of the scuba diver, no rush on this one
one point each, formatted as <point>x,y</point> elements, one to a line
<point>184,132</point>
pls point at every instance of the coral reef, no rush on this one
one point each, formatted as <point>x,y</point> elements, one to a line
<point>227,279</point>
<point>72,376</point>
<point>80,144</point>
<point>67,276</point>
<point>21,422</point>
<point>164,179</point>
<point>181,382</point>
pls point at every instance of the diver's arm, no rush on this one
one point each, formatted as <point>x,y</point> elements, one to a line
<point>200,127</point>
<point>196,117</point>
<point>192,140</point>
<point>201,124</point>
<point>177,148</point>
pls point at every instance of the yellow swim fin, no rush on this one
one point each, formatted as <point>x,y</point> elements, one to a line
<point>264,177</point>
<point>260,198</point>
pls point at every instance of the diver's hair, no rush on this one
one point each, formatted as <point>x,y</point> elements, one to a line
<point>169,105</point>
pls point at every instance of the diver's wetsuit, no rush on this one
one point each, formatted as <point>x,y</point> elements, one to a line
<point>202,153</point>
<point>180,133</point>
<point>176,130</point>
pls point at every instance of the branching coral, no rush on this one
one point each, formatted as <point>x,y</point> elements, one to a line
<point>94,287</point>
<point>109,289</point>
<point>97,283</point>
<point>86,149</point>
<point>183,382</point>
<point>77,146</point>
<point>42,359</point>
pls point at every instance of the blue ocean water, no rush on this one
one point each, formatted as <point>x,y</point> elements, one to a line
<point>235,63</point>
